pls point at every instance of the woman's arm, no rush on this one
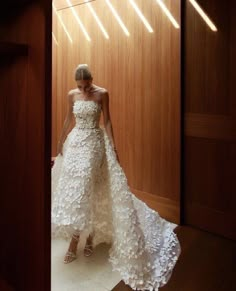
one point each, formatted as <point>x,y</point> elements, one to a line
<point>67,121</point>
<point>107,118</point>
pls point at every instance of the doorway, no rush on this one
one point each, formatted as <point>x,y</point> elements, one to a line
<point>138,62</point>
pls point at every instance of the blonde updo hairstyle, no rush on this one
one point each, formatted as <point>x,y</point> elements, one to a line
<point>83,72</point>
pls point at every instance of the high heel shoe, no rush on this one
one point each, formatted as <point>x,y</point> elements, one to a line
<point>69,254</point>
<point>88,249</point>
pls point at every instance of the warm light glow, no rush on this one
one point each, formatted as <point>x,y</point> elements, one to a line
<point>118,18</point>
<point>98,20</point>
<point>54,38</point>
<point>144,20</point>
<point>203,15</point>
<point>62,23</point>
<point>78,20</point>
<point>168,14</point>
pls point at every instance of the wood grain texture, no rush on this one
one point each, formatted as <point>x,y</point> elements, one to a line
<point>166,207</point>
<point>210,119</point>
<point>142,75</point>
<point>63,4</point>
<point>25,84</point>
<point>13,49</point>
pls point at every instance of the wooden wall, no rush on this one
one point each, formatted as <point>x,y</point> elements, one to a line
<point>25,82</point>
<point>142,75</point>
<point>210,118</point>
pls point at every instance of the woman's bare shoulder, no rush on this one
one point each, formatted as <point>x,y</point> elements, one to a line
<point>99,89</point>
<point>73,92</point>
<point>104,96</point>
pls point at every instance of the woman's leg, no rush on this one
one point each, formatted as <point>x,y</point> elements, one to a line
<point>88,249</point>
<point>71,252</point>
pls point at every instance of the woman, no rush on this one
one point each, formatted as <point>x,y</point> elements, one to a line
<point>90,193</point>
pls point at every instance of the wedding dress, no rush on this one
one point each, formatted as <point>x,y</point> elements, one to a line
<point>90,192</point>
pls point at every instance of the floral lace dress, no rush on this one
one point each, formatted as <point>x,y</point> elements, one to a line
<point>90,192</point>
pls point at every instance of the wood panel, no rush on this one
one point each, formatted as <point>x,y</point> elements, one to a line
<point>210,119</point>
<point>25,83</point>
<point>63,4</point>
<point>8,49</point>
<point>142,75</point>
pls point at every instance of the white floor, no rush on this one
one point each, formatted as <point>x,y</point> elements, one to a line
<point>92,273</point>
<point>85,273</point>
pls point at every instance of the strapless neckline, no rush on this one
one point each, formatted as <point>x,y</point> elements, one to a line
<point>81,100</point>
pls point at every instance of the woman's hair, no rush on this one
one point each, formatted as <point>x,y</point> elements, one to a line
<point>82,72</point>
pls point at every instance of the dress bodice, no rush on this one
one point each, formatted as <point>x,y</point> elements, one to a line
<point>87,113</point>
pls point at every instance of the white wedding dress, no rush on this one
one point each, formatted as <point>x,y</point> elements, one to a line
<point>90,192</point>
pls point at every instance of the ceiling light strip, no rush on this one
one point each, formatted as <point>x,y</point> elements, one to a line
<point>98,20</point>
<point>54,38</point>
<point>203,15</point>
<point>62,23</point>
<point>138,11</point>
<point>118,18</point>
<point>168,14</point>
<point>78,20</point>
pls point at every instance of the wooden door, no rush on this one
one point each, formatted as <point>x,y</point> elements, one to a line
<point>210,118</point>
<point>25,119</point>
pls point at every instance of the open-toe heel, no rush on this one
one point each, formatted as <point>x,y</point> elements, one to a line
<point>88,250</point>
<point>69,254</point>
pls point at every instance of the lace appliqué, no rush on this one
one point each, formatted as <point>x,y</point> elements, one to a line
<point>90,192</point>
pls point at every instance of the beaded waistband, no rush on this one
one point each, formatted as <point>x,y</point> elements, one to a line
<point>84,127</point>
